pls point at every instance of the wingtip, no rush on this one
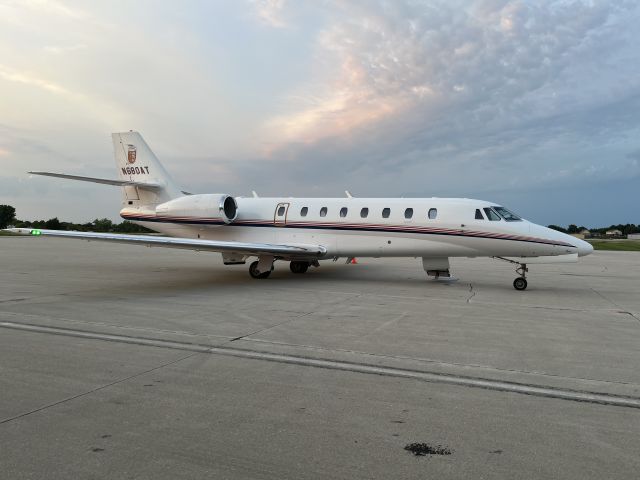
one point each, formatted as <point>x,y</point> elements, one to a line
<point>19,231</point>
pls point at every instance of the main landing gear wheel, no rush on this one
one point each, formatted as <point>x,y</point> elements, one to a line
<point>520,283</point>
<point>299,267</point>
<point>253,271</point>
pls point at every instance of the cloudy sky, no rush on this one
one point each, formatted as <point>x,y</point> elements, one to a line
<point>535,105</point>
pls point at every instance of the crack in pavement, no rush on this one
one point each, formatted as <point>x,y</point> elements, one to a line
<point>472,291</point>
<point>620,309</point>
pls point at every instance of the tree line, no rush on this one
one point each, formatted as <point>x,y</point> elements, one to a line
<point>8,217</point>
<point>625,229</point>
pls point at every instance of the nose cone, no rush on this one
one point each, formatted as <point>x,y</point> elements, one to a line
<point>584,248</point>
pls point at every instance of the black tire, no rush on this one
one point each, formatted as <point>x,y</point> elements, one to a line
<point>253,271</point>
<point>299,267</point>
<point>520,283</point>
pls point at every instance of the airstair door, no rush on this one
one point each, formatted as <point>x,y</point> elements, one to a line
<point>280,215</point>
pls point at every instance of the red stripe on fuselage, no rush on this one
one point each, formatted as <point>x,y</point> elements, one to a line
<point>348,226</point>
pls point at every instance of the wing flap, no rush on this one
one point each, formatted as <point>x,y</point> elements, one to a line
<point>104,181</point>
<point>288,250</point>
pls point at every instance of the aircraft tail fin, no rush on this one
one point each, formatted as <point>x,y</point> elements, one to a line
<point>137,164</point>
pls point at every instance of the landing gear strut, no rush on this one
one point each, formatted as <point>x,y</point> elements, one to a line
<point>519,283</point>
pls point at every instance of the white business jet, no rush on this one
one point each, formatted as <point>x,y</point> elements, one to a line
<point>304,231</point>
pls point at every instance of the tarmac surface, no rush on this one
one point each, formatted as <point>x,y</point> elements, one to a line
<point>120,361</point>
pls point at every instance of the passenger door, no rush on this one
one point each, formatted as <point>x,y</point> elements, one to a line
<point>280,215</point>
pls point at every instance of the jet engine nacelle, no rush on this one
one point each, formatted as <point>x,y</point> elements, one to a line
<point>204,206</point>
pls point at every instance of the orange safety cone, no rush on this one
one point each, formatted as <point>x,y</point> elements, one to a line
<point>354,261</point>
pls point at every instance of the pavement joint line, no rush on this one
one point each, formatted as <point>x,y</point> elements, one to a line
<point>113,325</point>
<point>430,377</point>
<point>241,337</point>
<point>93,390</point>
<point>433,361</point>
<point>382,326</point>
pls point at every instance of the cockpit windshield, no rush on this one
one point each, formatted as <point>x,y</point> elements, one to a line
<point>507,215</point>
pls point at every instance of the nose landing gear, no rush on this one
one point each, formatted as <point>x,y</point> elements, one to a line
<point>519,283</point>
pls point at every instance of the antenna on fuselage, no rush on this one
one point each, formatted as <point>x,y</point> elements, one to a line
<point>348,194</point>
<point>255,195</point>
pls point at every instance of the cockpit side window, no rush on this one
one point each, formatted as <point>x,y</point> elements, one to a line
<point>491,215</point>
<point>507,215</point>
<point>479,214</point>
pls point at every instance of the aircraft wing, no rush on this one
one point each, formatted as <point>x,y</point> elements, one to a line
<point>199,245</point>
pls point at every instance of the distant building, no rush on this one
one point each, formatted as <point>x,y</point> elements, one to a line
<point>613,233</point>
<point>634,236</point>
<point>582,234</point>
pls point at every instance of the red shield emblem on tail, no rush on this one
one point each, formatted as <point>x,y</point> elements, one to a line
<point>131,153</point>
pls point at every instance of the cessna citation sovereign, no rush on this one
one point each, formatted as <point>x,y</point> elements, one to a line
<point>303,231</point>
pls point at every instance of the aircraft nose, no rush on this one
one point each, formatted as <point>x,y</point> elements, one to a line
<point>584,248</point>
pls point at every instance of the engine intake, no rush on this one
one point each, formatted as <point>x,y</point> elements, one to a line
<point>204,206</point>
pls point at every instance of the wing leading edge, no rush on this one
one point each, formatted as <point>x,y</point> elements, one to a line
<point>200,245</point>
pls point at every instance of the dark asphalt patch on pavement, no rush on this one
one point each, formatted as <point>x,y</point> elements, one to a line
<point>422,449</point>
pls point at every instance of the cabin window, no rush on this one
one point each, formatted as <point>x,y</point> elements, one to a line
<point>433,213</point>
<point>491,215</point>
<point>479,214</point>
<point>323,212</point>
<point>386,212</point>
<point>281,211</point>
<point>364,213</point>
<point>343,212</point>
<point>304,211</point>
<point>408,213</point>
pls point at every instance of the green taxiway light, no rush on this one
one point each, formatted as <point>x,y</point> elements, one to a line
<point>36,232</point>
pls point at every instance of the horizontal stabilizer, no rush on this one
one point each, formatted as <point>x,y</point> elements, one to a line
<point>256,249</point>
<point>105,181</point>
<point>571,258</point>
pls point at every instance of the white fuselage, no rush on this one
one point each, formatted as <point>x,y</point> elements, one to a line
<point>451,230</point>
